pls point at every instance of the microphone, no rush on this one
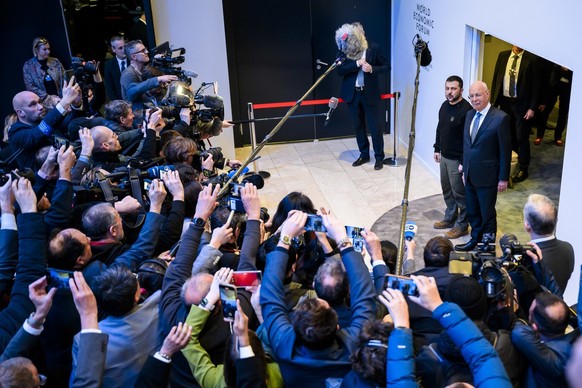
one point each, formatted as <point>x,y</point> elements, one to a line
<point>410,230</point>
<point>332,105</point>
<point>421,47</point>
<point>190,74</point>
<point>319,63</point>
<point>210,101</point>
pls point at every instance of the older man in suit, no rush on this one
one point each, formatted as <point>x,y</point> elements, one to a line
<point>361,91</point>
<point>515,89</point>
<point>486,163</point>
<point>114,67</point>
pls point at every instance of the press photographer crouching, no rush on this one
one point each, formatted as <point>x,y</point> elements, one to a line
<point>512,281</point>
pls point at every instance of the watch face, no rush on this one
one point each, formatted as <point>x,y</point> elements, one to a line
<point>198,221</point>
<point>286,239</point>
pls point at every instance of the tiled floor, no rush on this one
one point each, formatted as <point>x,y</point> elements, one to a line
<point>323,171</point>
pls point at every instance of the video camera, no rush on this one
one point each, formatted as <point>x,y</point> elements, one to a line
<point>83,71</point>
<point>25,173</point>
<point>167,61</point>
<point>119,184</point>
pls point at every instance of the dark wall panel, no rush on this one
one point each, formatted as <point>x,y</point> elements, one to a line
<point>272,50</point>
<point>273,58</point>
<point>20,23</point>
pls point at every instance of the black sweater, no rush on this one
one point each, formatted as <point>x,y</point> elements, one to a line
<point>449,132</point>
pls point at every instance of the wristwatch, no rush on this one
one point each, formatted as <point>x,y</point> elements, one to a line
<point>344,242</point>
<point>285,240</point>
<point>203,303</point>
<point>200,222</point>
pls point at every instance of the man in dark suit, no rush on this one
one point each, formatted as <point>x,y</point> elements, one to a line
<point>486,163</point>
<point>539,218</point>
<point>361,91</point>
<point>114,67</point>
<point>515,90</point>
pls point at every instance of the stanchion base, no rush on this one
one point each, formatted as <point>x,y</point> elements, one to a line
<point>263,174</point>
<point>395,162</point>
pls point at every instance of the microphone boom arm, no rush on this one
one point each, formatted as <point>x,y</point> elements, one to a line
<point>224,190</point>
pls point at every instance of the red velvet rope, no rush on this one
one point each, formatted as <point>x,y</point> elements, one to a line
<point>289,104</point>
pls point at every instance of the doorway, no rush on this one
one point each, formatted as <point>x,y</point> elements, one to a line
<point>545,170</point>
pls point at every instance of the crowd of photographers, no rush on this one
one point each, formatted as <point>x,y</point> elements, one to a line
<point>124,254</point>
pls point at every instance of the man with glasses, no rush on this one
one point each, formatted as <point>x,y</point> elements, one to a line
<point>114,68</point>
<point>132,85</point>
<point>486,163</point>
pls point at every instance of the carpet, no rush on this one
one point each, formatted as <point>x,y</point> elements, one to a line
<point>545,176</point>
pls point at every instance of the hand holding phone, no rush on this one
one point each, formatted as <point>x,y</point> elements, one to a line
<point>314,223</point>
<point>246,278</point>
<point>402,283</point>
<point>228,301</point>
<point>58,278</point>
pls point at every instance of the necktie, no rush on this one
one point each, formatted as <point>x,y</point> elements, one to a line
<point>122,65</point>
<point>360,78</point>
<point>475,126</point>
<point>512,77</point>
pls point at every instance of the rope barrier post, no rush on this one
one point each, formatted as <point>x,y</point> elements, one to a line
<point>395,161</point>
<point>253,134</point>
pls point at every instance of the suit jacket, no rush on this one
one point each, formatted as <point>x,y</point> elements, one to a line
<point>349,70</point>
<point>559,258</point>
<point>112,77</point>
<point>486,161</point>
<point>132,338</point>
<point>91,360</point>
<point>528,81</point>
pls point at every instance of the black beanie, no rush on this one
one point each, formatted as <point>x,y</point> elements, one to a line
<point>466,292</point>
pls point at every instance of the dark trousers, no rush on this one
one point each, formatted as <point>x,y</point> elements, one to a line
<point>481,209</point>
<point>564,94</point>
<point>363,113</point>
<point>520,129</point>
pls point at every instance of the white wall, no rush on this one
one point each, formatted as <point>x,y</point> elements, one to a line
<point>547,31</point>
<point>198,26</point>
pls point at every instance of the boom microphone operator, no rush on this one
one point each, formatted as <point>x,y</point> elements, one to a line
<point>332,106</point>
<point>421,46</point>
<point>351,40</point>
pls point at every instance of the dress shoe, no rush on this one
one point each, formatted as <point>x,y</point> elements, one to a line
<point>559,142</point>
<point>443,224</point>
<point>379,164</point>
<point>538,141</point>
<point>360,161</point>
<point>521,176</point>
<point>469,246</point>
<point>457,232</point>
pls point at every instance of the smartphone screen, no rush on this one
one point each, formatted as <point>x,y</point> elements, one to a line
<point>246,278</point>
<point>403,283</point>
<point>314,223</point>
<point>58,278</point>
<point>354,233</point>
<point>228,301</point>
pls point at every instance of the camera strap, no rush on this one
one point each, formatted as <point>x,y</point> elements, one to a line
<point>136,193</point>
<point>105,185</point>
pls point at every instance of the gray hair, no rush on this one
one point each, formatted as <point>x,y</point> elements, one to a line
<point>540,214</point>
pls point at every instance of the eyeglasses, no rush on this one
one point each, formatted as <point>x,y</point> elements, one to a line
<point>143,51</point>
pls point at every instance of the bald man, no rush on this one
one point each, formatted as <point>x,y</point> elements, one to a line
<point>34,127</point>
<point>105,140</point>
<point>486,163</point>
